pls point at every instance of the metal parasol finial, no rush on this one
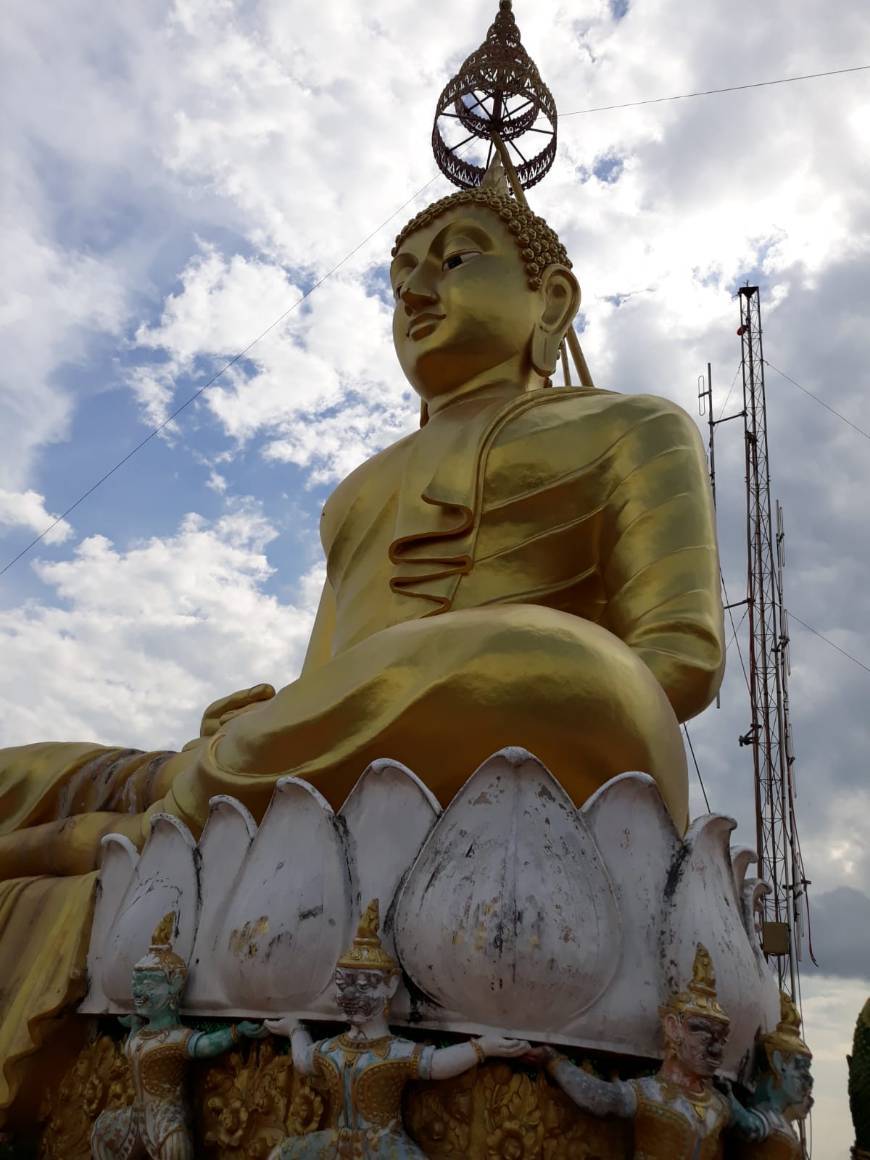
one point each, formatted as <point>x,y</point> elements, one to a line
<point>499,98</point>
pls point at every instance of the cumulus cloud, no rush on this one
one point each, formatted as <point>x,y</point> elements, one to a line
<point>131,645</point>
<point>322,389</point>
<point>26,509</point>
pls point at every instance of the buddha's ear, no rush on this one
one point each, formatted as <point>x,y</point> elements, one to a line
<point>560,300</point>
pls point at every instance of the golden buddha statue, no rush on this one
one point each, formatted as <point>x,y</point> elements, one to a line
<point>534,566</point>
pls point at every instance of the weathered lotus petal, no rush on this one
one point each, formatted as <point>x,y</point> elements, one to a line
<point>389,814</point>
<point>289,916</point>
<point>165,879</point>
<point>742,857</point>
<point>508,916</point>
<point>701,905</point>
<point>639,844</point>
<point>225,841</point>
<point>755,891</point>
<point>117,864</point>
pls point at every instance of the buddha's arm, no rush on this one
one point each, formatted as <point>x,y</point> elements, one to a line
<point>660,561</point>
<point>320,642</point>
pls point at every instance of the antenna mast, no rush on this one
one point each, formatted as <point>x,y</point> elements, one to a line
<point>779,861</point>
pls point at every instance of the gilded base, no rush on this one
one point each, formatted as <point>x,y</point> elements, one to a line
<point>246,1102</point>
<point>249,1100</point>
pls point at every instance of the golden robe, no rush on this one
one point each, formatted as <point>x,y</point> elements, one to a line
<point>540,572</point>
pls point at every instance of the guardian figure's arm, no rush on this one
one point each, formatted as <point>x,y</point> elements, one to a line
<point>750,1124</point>
<point>301,1043</point>
<point>587,1091</point>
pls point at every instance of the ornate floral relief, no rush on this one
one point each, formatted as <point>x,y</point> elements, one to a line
<point>439,1115</point>
<point>502,1113</point>
<point>512,1114</point>
<point>99,1079</point>
<point>245,1102</point>
<point>249,1100</point>
<point>570,1134</point>
<point>248,1103</point>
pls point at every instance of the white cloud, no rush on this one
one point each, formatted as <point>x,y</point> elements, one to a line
<point>26,509</point>
<point>134,644</point>
<point>324,388</point>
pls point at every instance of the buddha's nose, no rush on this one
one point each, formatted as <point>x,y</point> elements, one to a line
<point>417,292</point>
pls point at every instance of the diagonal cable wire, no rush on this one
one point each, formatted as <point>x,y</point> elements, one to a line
<point>734,628</point>
<point>821,402</point>
<point>232,362</point>
<point>730,391</point>
<point>827,640</point>
<point>697,768</point>
<point>834,72</point>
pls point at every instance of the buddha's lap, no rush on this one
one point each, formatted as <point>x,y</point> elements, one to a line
<point>439,694</point>
<point>442,693</point>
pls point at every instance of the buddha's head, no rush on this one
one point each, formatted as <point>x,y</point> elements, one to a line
<point>784,1077</point>
<point>366,976</point>
<point>484,292</point>
<point>695,1026</point>
<point>160,976</point>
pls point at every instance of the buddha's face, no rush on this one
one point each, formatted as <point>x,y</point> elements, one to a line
<point>463,304</point>
<point>697,1042</point>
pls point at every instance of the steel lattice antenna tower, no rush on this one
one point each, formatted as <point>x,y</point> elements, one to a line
<point>779,861</point>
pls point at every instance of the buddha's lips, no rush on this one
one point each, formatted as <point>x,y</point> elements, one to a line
<point>423,320</point>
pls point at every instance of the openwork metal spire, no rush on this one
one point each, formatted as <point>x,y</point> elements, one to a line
<point>497,97</point>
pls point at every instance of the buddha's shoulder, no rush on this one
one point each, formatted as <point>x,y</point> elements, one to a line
<point>564,406</point>
<point>383,465</point>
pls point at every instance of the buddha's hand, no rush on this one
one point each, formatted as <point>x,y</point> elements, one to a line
<point>286,1025</point>
<point>224,709</point>
<point>252,1030</point>
<point>494,1045</point>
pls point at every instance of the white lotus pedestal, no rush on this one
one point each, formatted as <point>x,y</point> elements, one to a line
<point>511,910</point>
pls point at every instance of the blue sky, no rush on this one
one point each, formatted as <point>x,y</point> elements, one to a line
<point>179,172</point>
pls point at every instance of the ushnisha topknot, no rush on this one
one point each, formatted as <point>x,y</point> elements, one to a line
<point>538,244</point>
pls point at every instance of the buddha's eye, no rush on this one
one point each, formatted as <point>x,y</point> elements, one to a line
<point>455,260</point>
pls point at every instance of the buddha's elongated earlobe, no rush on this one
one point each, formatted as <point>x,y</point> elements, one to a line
<point>545,351</point>
<point>561,299</point>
